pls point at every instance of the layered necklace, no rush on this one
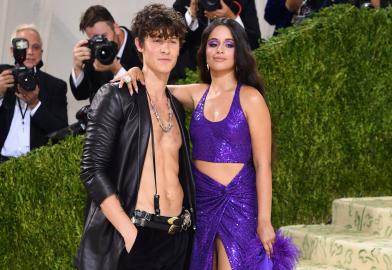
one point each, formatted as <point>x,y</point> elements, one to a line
<point>165,126</point>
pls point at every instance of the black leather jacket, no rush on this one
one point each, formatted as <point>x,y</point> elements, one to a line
<point>113,156</point>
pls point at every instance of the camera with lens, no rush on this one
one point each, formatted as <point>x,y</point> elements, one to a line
<point>74,129</point>
<point>211,5</point>
<point>24,76</point>
<point>102,49</point>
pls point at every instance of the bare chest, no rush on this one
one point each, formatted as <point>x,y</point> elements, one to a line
<point>166,141</point>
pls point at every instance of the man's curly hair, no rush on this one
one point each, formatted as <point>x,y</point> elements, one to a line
<point>158,20</point>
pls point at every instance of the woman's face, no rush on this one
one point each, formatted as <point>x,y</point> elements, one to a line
<point>220,50</point>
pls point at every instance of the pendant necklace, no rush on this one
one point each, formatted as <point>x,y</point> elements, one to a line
<point>164,126</point>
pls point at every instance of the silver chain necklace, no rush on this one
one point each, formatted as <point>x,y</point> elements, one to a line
<point>166,127</point>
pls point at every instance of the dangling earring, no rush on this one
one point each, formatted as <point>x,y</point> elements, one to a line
<point>208,67</point>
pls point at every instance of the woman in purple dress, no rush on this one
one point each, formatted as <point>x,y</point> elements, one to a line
<point>230,131</point>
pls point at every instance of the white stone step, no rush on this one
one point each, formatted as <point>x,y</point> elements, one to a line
<point>372,215</point>
<point>309,265</point>
<point>338,246</point>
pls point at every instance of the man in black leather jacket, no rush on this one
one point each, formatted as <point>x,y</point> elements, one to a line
<point>136,165</point>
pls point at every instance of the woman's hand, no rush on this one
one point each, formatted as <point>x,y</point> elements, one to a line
<point>133,76</point>
<point>267,236</point>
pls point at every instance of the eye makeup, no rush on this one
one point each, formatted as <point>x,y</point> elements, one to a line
<point>214,43</point>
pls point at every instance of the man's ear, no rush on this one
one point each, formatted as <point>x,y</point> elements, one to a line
<point>12,51</point>
<point>138,45</point>
<point>117,29</point>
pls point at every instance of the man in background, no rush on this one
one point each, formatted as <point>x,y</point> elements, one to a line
<point>199,13</point>
<point>27,116</point>
<point>89,73</point>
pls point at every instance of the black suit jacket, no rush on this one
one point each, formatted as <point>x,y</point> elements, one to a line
<point>50,116</point>
<point>93,80</point>
<point>188,55</point>
<point>117,137</point>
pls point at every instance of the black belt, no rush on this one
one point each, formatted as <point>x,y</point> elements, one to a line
<point>170,224</point>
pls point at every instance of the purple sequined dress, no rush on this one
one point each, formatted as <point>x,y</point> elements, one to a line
<point>227,212</point>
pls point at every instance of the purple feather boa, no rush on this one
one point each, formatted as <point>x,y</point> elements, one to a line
<point>284,257</point>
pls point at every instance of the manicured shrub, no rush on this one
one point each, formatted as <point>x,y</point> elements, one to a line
<point>329,90</point>
<point>41,204</point>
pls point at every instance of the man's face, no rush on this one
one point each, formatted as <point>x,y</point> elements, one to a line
<point>34,52</point>
<point>106,30</point>
<point>159,54</point>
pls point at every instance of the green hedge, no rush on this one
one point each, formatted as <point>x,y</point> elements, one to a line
<point>41,204</point>
<point>329,86</point>
<point>329,91</point>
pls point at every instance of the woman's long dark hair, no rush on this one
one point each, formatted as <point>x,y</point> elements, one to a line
<point>245,63</point>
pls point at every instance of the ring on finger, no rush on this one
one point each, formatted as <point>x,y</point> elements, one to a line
<point>127,79</point>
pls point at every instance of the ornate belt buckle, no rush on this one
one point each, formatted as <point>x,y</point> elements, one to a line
<point>186,222</point>
<point>141,218</point>
<point>173,228</point>
<point>147,216</point>
<point>172,220</point>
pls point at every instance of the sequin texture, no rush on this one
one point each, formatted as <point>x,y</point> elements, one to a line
<point>228,212</point>
<point>225,141</point>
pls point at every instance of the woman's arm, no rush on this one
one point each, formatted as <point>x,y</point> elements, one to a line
<point>259,122</point>
<point>187,94</point>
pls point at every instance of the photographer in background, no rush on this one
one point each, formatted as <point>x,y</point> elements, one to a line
<point>28,114</point>
<point>381,3</point>
<point>199,13</point>
<point>281,12</point>
<point>284,13</point>
<point>109,52</point>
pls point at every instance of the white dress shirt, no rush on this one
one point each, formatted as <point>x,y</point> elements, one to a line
<point>17,142</point>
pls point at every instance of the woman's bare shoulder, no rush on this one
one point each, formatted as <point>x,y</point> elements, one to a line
<point>251,96</point>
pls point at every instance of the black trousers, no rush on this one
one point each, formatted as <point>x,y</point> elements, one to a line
<point>156,250</point>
